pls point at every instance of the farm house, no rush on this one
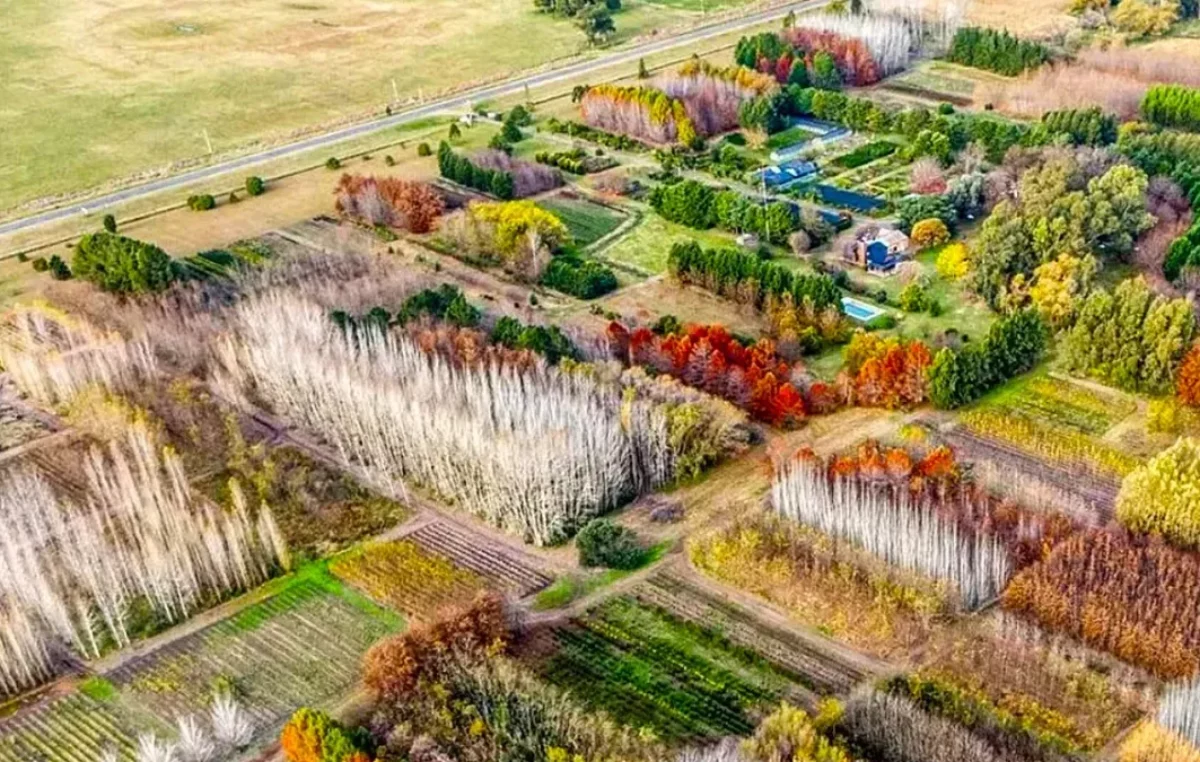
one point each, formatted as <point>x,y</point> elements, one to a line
<point>877,250</point>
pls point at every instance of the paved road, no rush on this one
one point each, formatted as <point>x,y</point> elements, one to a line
<point>451,103</point>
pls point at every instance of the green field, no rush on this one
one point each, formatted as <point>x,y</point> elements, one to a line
<point>587,221</point>
<point>650,669</point>
<point>646,246</point>
<point>99,91</point>
<point>790,136</point>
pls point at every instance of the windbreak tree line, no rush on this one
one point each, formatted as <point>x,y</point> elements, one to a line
<point>645,113</point>
<point>1177,155</point>
<point>1086,127</point>
<point>701,207</point>
<point>996,51</point>
<point>1013,346</point>
<point>463,171</point>
<point>1173,106</point>
<point>745,275</point>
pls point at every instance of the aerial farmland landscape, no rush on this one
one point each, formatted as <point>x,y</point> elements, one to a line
<point>600,381</point>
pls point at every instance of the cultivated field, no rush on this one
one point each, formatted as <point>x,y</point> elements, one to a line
<point>155,76</point>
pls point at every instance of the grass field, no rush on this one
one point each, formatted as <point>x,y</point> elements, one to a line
<point>99,91</point>
<point>587,221</point>
<point>646,246</point>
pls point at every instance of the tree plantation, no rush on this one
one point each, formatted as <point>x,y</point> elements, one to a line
<point>756,383</point>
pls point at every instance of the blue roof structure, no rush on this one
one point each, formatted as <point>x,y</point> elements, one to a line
<point>878,256</point>
<point>786,174</point>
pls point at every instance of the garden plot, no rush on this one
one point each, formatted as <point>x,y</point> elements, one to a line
<point>402,575</point>
<point>1096,493</point>
<point>820,666</point>
<point>300,647</point>
<point>587,220</point>
<point>504,569</point>
<point>1064,404</point>
<point>648,668</point>
<point>75,728</point>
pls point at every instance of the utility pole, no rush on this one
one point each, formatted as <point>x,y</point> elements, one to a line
<point>207,141</point>
<point>395,91</point>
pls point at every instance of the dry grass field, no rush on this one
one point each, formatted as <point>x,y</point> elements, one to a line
<point>103,90</point>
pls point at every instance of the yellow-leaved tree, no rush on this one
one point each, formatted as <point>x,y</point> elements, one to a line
<point>1163,496</point>
<point>525,235</point>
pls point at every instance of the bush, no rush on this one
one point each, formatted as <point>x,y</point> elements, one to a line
<point>58,268</point>
<point>603,543</point>
<point>884,322</point>
<point>389,161</point>
<point>333,163</point>
<point>424,150</point>
<point>110,223</point>
<point>40,265</point>
<point>914,299</point>
<point>929,233</point>
<point>201,202</point>
<point>255,185</point>
<point>233,197</point>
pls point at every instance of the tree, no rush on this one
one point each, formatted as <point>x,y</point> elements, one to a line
<point>1145,19</point>
<point>525,236</point>
<point>1162,496</point>
<point>58,268</point>
<point>596,23</point>
<point>455,133</point>
<point>952,262</point>
<point>110,223</point>
<point>929,233</point>
<point>913,209</point>
<point>825,74</point>
<point>313,736</point>
<point>604,543</point>
<point>1060,286</point>
<point>1187,381</point>
<point>122,265</point>
<point>255,186</point>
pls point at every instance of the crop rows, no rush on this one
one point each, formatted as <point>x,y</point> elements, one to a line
<point>301,647</point>
<point>1069,448</point>
<point>821,668</point>
<point>402,575</point>
<point>650,669</point>
<point>1097,491</point>
<point>505,570</point>
<point>70,729</point>
<point>1062,403</point>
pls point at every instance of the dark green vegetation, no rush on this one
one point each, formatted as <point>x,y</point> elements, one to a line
<point>996,51</point>
<point>727,269</point>
<point>1013,346</point>
<point>122,265</point>
<point>463,171</point>
<point>647,668</point>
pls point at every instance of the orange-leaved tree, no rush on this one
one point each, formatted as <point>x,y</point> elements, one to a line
<point>1187,380</point>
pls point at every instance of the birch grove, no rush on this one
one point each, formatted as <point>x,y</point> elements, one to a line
<point>1180,710</point>
<point>889,522</point>
<point>891,40</point>
<point>535,451</point>
<point>69,573</point>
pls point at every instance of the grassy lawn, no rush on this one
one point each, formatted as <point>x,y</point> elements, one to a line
<point>99,91</point>
<point>646,247</point>
<point>587,221</point>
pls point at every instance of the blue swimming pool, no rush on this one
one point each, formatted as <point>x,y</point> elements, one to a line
<point>860,311</point>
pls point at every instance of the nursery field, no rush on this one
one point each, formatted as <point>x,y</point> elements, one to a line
<point>275,63</point>
<point>503,568</point>
<point>74,727</point>
<point>297,648</point>
<point>652,669</point>
<point>587,220</point>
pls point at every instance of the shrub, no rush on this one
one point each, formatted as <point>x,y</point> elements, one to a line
<point>110,223</point>
<point>201,202</point>
<point>913,298</point>
<point>40,265</point>
<point>122,265</point>
<point>389,160</point>
<point>604,543</point>
<point>423,149</point>
<point>333,163</point>
<point>929,233</point>
<point>255,185</point>
<point>1161,497</point>
<point>58,268</point>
